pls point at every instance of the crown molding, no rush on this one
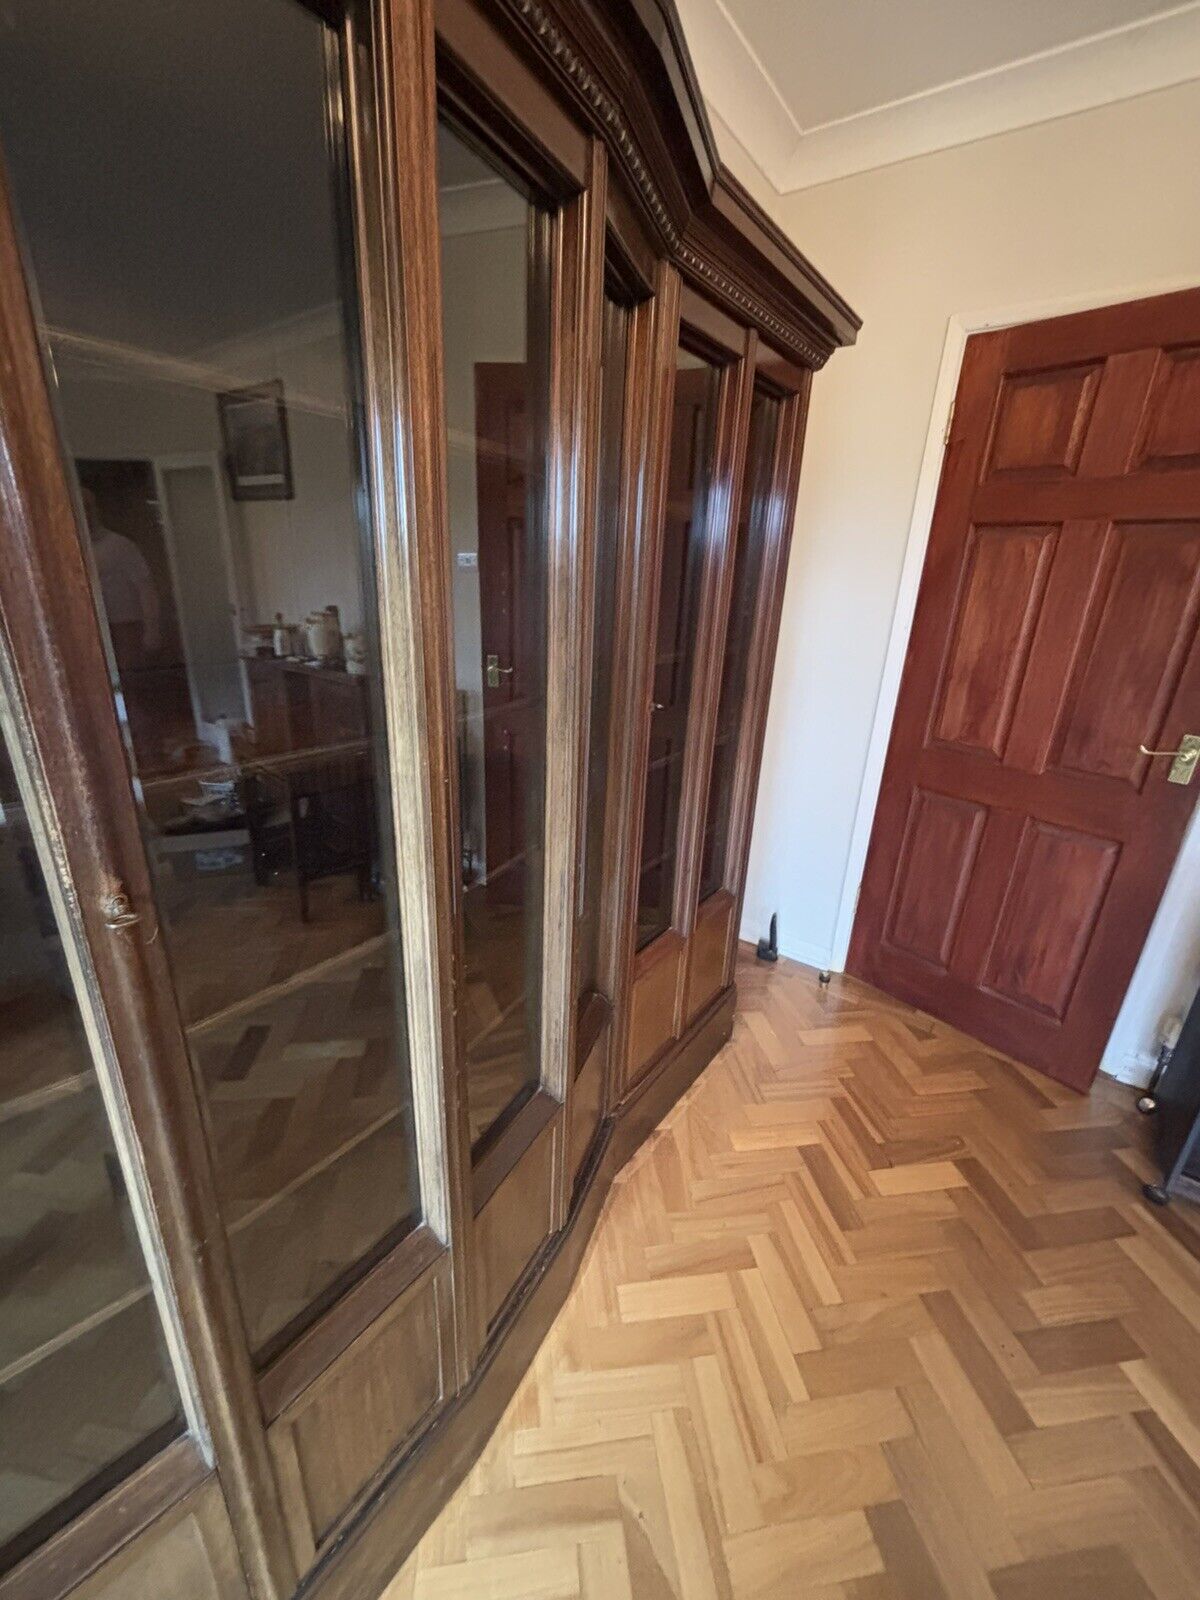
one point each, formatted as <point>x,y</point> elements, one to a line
<point>739,88</point>
<point>624,66</point>
<point>1136,59</point>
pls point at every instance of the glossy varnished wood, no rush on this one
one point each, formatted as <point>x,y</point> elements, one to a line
<point>1023,839</point>
<point>653,996</point>
<point>54,649</point>
<point>647,443</point>
<point>337,1455</point>
<point>625,71</point>
<point>725,475</point>
<point>409,443</point>
<point>576,323</point>
<point>874,1313</point>
<point>780,519</point>
<point>703,947</point>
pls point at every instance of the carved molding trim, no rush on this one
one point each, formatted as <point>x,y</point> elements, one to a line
<point>554,44</point>
<point>809,351</point>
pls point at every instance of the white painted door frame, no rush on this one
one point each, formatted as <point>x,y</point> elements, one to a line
<point>1121,1057</point>
<point>210,460</point>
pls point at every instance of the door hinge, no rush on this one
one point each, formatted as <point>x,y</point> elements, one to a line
<point>949,423</point>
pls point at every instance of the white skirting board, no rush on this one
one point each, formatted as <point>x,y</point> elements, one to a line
<point>1135,1070</point>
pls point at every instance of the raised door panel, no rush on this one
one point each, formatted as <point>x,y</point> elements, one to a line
<point>1059,881</point>
<point>1004,579</point>
<point>1171,432</point>
<point>1041,421</point>
<point>652,1004</point>
<point>937,858</point>
<point>707,951</point>
<point>1133,646</point>
<point>187,1554</point>
<point>340,1432</point>
<point>1032,678</point>
<point>586,1102</point>
<point>515,1221</point>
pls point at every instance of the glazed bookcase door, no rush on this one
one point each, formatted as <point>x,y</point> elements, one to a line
<point>602,595</point>
<point>362,645</point>
<point>88,1390</point>
<point>610,602</point>
<point>521,316</point>
<point>237,313</point>
<point>700,450</point>
<point>754,563</point>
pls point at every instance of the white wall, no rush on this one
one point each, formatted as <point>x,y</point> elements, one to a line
<point>1102,204</point>
<point>303,554</point>
<point>298,555</point>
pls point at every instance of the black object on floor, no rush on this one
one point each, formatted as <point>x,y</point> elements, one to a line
<point>1177,1119</point>
<point>768,949</point>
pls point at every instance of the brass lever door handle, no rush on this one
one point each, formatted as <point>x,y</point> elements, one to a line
<point>1183,760</point>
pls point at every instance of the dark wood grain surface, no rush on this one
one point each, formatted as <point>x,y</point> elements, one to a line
<point>1022,839</point>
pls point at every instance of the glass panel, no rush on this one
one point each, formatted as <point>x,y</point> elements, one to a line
<point>495,314</point>
<point>604,616</point>
<point>192,256</point>
<point>749,551</point>
<point>86,1391</point>
<point>693,423</point>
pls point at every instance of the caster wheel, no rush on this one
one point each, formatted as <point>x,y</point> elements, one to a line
<point>1146,1104</point>
<point>1156,1194</point>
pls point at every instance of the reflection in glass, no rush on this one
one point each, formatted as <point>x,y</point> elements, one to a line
<point>604,616</point>
<point>190,251</point>
<point>495,361</point>
<point>749,551</point>
<point>697,391</point>
<point>86,1392</point>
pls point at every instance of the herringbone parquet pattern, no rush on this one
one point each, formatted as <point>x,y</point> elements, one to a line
<point>875,1315</point>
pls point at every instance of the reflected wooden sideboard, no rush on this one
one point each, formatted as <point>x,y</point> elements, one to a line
<point>295,704</point>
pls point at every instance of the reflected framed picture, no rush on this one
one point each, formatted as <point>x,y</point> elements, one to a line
<point>257,453</point>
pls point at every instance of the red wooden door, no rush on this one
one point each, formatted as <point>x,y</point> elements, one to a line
<point>508,613</point>
<point>1022,841</point>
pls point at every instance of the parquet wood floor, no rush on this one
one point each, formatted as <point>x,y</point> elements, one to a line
<point>874,1315</point>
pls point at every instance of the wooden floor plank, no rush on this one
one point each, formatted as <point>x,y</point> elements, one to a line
<point>876,1315</point>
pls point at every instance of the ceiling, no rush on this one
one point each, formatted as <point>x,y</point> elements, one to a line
<point>178,195</point>
<point>169,165</point>
<point>817,89</point>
